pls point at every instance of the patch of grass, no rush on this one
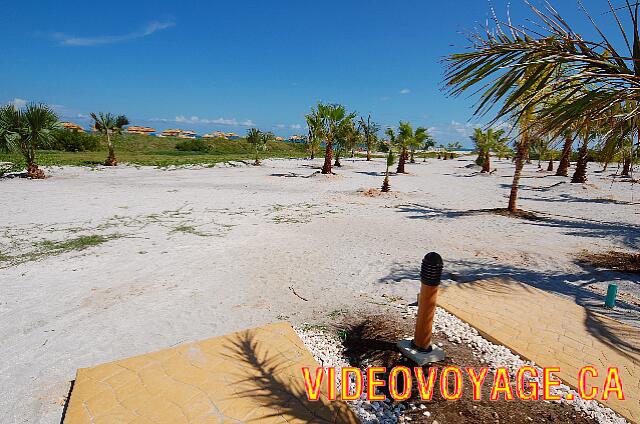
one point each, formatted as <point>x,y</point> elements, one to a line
<point>48,248</point>
<point>314,327</point>
<point>189,229</point>
<point>78,243</point>
<point>160,152</point>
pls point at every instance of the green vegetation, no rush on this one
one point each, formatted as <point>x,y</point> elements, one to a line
<point>109,126</point>
<point>260,142</point>
<point>487,141</point>
<point>48,248</point>
<point>78,243</point>
<point>25,130</point>
<point>74,141</point>
<point>138,149</point>
<point>331,120</point>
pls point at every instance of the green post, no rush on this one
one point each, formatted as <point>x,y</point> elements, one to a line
<point>612,291</point>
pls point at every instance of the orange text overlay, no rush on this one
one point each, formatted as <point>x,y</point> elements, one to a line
<point>528,383</point>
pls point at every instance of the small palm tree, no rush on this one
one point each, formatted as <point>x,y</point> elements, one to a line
<point>485,142</point>
<point>385,184</point>
<point>369,130</point>
<point>27,130</point>
<point>408,139</point>
<point>109,126</point>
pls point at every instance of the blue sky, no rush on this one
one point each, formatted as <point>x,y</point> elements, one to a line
<point>228,65</point>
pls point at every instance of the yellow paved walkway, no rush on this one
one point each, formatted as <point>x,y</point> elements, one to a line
<point>551,331</point>
<point>251,376</point>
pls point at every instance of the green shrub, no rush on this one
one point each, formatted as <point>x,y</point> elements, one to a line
<point>195,145</point>
<point>72,141</point>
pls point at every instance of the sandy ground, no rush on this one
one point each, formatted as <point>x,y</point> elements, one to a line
<point>196,253</point>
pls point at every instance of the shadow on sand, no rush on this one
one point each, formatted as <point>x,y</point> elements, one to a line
<point>570,286</point>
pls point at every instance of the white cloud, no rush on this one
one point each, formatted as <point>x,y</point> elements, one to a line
<point>280,126</point>
<point>149,29</point>
<point>295,126</point>
<point>18,102</point>
<point>196,120</point>
<point>405,91</point>
<point>385,98</point>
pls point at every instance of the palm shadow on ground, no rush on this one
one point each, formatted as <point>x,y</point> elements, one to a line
<point>625,233</point>
<point>265,379</point>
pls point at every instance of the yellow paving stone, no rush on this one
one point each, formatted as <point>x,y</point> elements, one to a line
<point>250,375</point>
<point>551,331</point>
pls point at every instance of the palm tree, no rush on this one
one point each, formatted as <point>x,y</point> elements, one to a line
<point>451,148</point>
<point>260,141</point>
<point>405,139</point>
<point>369,130</point>
<point>485,142</point>
<point>333,120</point>
<point>598,77</point>
<point>565,158</point>
<point>27,130</point>
<point>385,184</point>
<point>420,137</point>
<point>346,141</point>
<point>109,125</point>
<point>314,123</point>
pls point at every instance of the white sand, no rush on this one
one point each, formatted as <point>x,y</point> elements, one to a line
<point>259,232</point>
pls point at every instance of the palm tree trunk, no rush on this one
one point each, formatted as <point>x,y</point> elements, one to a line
<point>580,174</point>
<point>337,162</point>
<point>111,160</point>
<point>313,153</point>
<point>33,171</point>
<point>563,166</point>
<point>401,160</point>
<point>385,184</point>
<point>550,166</point>
<point>257,161</point>
<point>523,147</point>
<point>413,159</point>
<point>486,162</point>
<point>626,165</point>
<point>368,153</point>
<point>328,155</point>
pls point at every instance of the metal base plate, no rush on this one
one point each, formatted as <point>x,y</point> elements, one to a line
<point>420,356</point>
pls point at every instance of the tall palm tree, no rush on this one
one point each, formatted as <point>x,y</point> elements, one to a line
<point>315,125</point>
<point>598,76</point>
<point>333,119</point>
<point>109,126</point>
<point>369,130</point>
<point>26,131</point>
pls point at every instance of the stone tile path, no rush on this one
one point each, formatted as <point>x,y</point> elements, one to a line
<point>551,331</point>
<point>250,376</point>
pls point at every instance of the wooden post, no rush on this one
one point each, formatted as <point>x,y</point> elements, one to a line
<point>430,274</point>
<point>424,319</point>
